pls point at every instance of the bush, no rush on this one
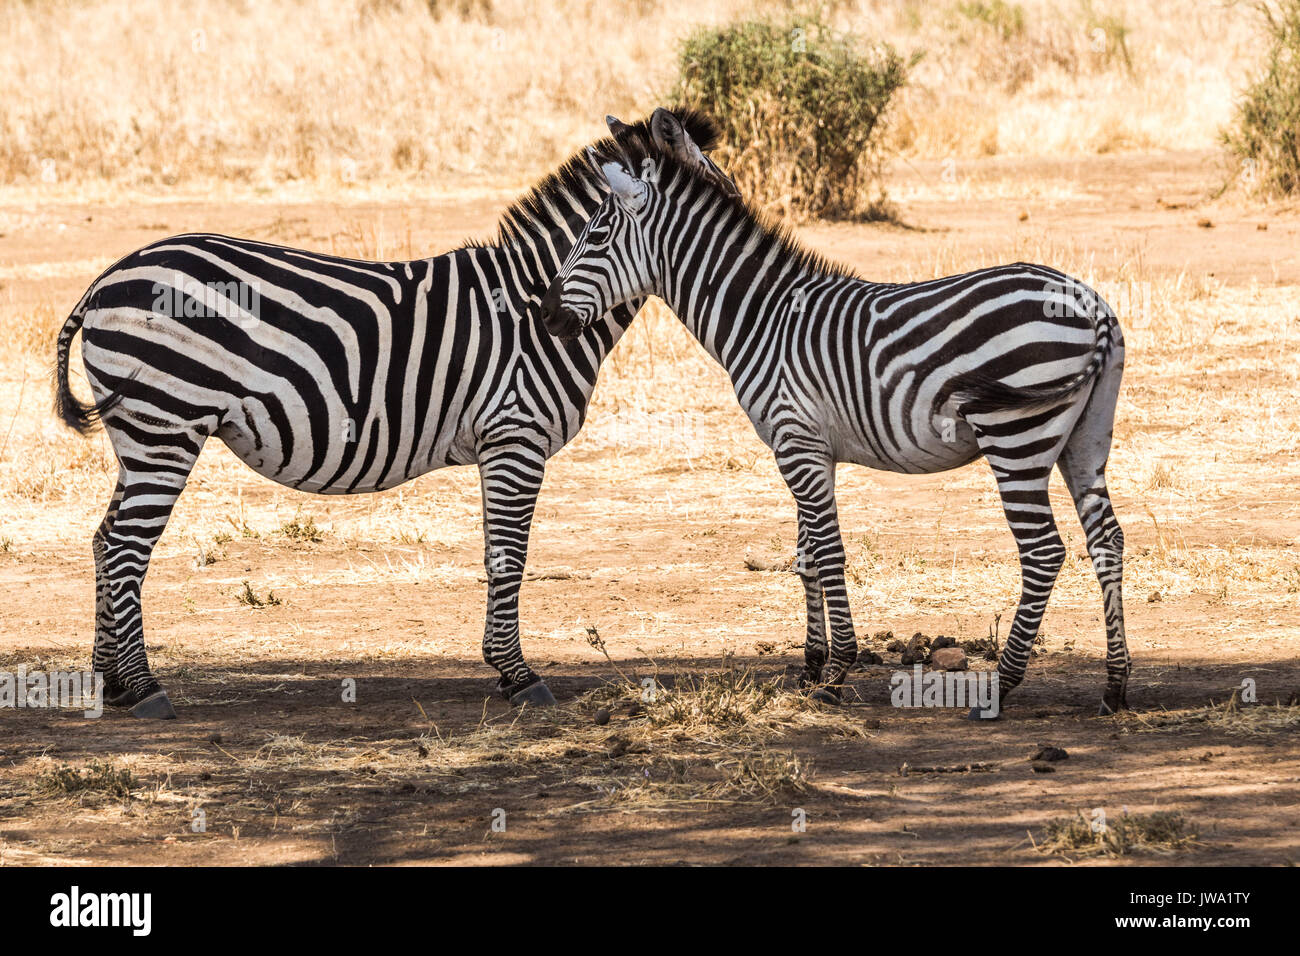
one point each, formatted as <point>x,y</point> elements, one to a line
<point>801,109</point>
<point>1266,133</point>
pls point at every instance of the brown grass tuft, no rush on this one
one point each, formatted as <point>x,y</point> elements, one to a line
<point>1164,831</point>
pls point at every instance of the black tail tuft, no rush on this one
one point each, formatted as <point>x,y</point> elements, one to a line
<point>76,414</point>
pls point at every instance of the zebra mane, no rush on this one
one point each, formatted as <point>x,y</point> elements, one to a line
<point>536,211</point>
<point>759,224</point>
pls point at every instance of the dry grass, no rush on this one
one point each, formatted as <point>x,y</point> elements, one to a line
<point>97,778</point>
<point>686,749</point>
<point>1160,832</point>
<point>721,738</point>
<point>692,741</point>
<point>352,94</point>
<point>1232,718</point>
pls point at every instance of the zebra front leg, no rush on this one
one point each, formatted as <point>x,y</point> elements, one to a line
<point>810,475</point>
<point>511,476</point>
<point>814,650</point>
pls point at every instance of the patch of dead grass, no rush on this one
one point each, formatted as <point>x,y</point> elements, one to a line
<point>1163,832</point>
<point>1232,718</point>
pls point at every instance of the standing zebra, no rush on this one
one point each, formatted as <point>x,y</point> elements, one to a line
<point>1020,364</point>
<point>340,376</point>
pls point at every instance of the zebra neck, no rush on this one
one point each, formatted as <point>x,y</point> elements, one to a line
<point>736,306</point>
<point>535,256</point>
<point>526,269</point>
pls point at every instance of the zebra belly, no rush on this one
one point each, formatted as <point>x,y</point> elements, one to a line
<point>347,462</point>
<point>921,445</point>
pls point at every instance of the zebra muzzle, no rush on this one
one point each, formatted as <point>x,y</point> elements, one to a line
<point>560,320</point>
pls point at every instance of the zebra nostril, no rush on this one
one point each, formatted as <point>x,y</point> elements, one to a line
<point>551,300</point>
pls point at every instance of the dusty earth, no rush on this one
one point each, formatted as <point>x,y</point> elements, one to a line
<point>642,532</point>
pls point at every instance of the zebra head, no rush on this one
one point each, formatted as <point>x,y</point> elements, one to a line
<point>612,261</point>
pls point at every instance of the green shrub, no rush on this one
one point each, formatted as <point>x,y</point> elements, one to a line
<point>801,108</point>
<point>1265,135</point>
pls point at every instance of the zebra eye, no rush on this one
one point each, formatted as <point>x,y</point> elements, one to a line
<point>597,237</point>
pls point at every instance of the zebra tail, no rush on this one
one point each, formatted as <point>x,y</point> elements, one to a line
<point>76,414</point>
<point>981,395</point>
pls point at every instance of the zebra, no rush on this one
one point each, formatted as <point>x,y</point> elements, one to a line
<point>1020,364</point>
<point>340,376</point>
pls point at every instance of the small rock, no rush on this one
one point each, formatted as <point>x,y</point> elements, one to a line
<point>421,749</point>
<point>896,647</point>
<point>602,717</point>
<point>214,738</point>
<point>869,658</point>
<point>941,642</point>
<point>948,659</point>
<point>1042,766</point>
<point>768,564</point>
<point>1205,223</point>
<point>885,636</point>
<point>1154,597</point>
<point>1049,753</point>
<point>917,650</point>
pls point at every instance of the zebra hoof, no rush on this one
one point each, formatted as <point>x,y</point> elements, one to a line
<point>1112,702</point>
<point>978,713</point>
<point>155,707</point>
<point>536,694</point>
<point>119,696</point>
<point>827,695</point>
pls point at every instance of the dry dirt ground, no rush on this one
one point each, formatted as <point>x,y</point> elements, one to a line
<point>642,532</point>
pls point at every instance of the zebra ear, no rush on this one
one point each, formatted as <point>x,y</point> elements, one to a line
<point>617,128</point>
<point>623,136</point>
<point>631,192</point>
<point>671,136</point>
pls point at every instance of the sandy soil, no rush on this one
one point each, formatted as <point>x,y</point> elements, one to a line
<point>642,531</point>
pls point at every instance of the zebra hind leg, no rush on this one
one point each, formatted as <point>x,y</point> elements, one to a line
<point>511,477</point>
<point>1021,449</point>
<point>104,658</point>
<point>1029,513</point>
<point>152,478</point>
<point>1083,466</point>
